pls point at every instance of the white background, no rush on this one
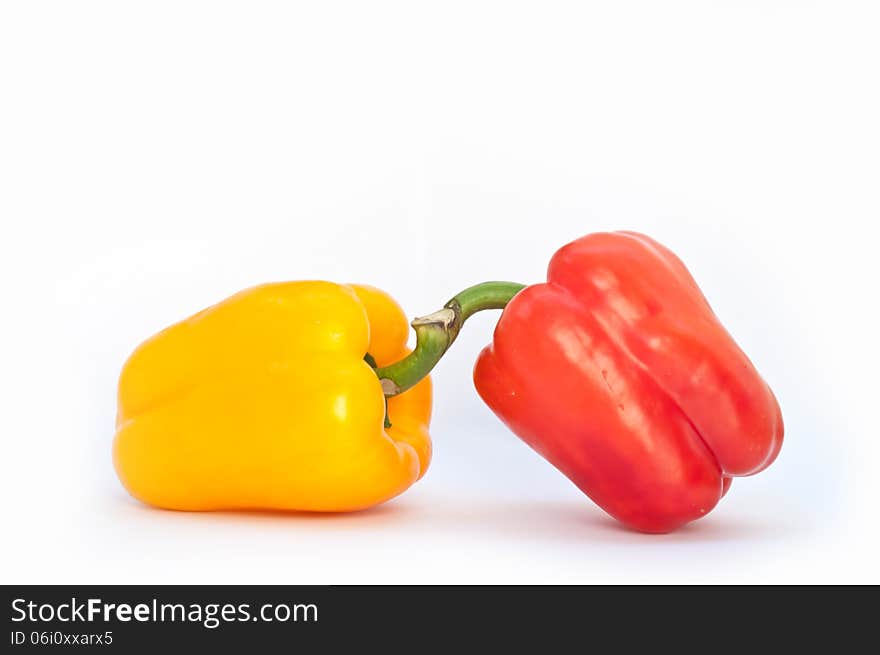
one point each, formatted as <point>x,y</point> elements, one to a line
<point>157,157</point>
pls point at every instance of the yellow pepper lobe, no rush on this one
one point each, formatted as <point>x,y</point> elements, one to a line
<point>264,401</point>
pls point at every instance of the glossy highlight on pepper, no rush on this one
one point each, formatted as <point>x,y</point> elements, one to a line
<point>267,400</point>
<point>618,372</point>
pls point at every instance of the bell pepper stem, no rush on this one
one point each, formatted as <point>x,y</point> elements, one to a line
<point>436,332</point>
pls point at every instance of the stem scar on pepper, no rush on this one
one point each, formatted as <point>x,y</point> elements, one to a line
<point>369,359</point>
<point>436,332</point>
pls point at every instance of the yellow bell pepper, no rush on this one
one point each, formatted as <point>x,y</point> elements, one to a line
<point>265,401</point>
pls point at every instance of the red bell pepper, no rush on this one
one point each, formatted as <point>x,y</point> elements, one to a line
<point>618,372</point>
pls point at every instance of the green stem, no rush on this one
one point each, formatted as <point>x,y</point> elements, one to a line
<point>436,332</point>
